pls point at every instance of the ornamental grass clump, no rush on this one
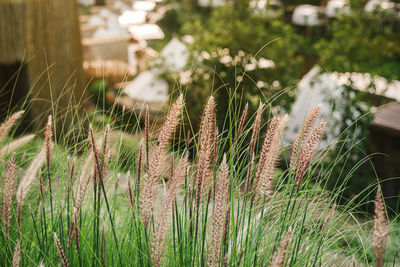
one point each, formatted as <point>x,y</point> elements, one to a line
<point>227,198</point>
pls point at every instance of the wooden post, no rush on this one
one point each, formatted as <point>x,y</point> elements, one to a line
<point>12,31</point>
<point>45,35</point>
<point>13,76</point>
<point>55,62</point>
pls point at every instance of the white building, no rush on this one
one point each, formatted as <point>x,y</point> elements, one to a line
<point>86,2</point>
<point>379,5</point>
<point>334,8</point>
<point>307,15</point>
<point>212,3</point>
<point>318,87</point>
<point>148,87</point>
<point>175,55</point>
<point>146,32</point>
<point>144,5</point>
<point>132,17</point>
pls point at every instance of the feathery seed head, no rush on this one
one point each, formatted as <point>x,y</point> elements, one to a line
<point>307,151</point>
<point>156,158</point>
<point>17,254</point>
<point>278,258</point>
<point>30,174</point>
<point>6,126</point>
<point>303,133</point>
<point>61,253</point>
<point>48,135</point>
<point>15,144</point>
<point>242,120</point>
<point>130,194</point>
<point>161,225</point>
<point>269,156</point>
<point>171,122</point>
<point>8,193</point>
<point>256,128</point>
<point>380,230</point>
<point>205,153</point>
<point>147,134</point>
<point>219,212</point>
<point>329,218</point>
<point>139,169</point>
<point>106,150</point>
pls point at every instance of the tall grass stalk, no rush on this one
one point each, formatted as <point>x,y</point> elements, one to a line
<point>230,201</point>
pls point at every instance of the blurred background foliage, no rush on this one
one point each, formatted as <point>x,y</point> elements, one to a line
<point>253,54</point>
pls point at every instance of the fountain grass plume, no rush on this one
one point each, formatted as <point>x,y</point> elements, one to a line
<point>150,229</point>
<point>256,128</point>
<point>205,151</point>
<point>162,223</point>
<point>16,144</point>
<point>152,176</point>
<point>147,134</point>
<point>307,151</point>
<point>139,168</point>
<point>61,252</point>
<point>380,230</point>
<point>278,259</point>
<point>270,138</point>
<point>6,126</point>
<point>303,133</point>
<point>48,136</point>
<point>8,193</point>
<point>242,120</point>
<point>17,254</point>
<point>271,157</point>
<point>219,212</point>
<point>30,175</point>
